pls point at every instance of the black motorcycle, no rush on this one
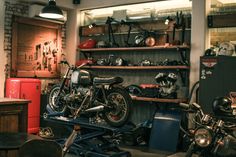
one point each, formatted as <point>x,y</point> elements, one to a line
<point>81,93</point>
<point>211,136</point>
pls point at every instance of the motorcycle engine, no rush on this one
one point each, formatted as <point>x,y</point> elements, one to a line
<point>75,98</point>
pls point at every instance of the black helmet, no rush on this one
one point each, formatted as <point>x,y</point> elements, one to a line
<point>222,106</point>
<point>210,52</point>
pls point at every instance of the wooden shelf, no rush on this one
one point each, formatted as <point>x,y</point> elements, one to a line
<point>137,67</point>
<point>134,48</point>
<point>158,99</point>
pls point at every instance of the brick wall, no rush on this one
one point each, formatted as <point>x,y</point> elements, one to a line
<point>11,8</point>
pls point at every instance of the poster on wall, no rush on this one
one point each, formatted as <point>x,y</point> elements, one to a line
<point>36,48</point>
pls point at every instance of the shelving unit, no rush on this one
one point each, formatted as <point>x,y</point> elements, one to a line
<point>137,67</point>
<point>133,69</point>
<point>177,47</point>
<point>161,100</point>
<point>135,73</point>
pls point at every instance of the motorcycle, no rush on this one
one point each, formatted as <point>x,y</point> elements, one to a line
<point>82,93</point>
<point>211,136</point>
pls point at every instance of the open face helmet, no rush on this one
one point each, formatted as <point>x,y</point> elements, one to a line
<point>222,106</point>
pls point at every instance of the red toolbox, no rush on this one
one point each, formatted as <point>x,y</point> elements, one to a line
<point>27,88</point>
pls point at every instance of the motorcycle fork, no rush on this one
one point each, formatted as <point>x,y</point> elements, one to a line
<point>63,81</point>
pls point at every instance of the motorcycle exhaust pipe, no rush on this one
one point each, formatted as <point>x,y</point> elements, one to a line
<point>95,109</point>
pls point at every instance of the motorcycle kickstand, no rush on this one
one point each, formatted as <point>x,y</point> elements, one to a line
<point>70,140</point>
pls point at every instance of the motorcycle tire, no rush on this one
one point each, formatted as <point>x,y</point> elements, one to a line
<point>55,101</point>
<point>119,102</point>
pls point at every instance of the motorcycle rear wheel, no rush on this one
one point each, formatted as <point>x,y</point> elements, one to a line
<point>56,100</point>
<point>119,102</point>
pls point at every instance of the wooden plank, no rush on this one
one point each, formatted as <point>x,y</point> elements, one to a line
<point>5,101</point>
<point>36,22</point>
<point>137,67</point>
<point>158,99</point>
<point>135,48</point>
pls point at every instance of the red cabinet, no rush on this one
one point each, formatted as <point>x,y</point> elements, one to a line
<point>27,88</point>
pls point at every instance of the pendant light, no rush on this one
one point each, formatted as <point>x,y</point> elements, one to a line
<point>51,11</point>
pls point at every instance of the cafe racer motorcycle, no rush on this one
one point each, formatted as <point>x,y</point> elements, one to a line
<point>82,93</point>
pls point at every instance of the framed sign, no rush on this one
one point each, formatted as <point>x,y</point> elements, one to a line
<point>36,48</point>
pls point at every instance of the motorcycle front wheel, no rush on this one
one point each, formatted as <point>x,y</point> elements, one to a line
<point>56,99</point>
<point>190,152</point>
<point>119,102</point>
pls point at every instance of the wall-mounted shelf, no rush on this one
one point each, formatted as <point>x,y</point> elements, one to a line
<point>221,20</point>
<point>135,48</point>
<point>138,67</point>
<point>162,100</point>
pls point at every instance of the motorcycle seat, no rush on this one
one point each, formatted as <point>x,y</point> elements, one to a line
<point>107,80</point>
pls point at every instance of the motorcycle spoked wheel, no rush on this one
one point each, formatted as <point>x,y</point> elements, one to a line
<point>119,102</point>
<point>55,101</point>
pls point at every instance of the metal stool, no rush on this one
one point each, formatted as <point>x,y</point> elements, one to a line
<point>13,141</point>
<point>40,148</point>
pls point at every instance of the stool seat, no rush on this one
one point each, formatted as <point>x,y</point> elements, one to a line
<point>13,141</point>
<point>40,148</point>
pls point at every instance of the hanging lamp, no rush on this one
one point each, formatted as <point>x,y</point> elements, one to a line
<point>51,11</point>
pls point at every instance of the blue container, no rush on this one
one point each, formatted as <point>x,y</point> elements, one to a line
<point>165,131</point>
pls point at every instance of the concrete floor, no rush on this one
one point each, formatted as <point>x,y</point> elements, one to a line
<point>143,152</point>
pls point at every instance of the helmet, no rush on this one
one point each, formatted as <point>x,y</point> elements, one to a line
<point>150,41</point>
<point>87,44</point>
<point>101,44</point>
<point>226,49</point>
<point>222,106</point>
<point>210,52</point>
<point>134,90</point>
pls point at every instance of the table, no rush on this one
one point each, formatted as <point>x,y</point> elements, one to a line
<point>13,115</point>
<point>13,141</point>
<point>13,119</point>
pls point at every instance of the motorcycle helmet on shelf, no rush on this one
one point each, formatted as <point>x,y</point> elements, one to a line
<point>210,52</point>
<point>150,41</point>
<point>222,106</point>
<point>139,40</point>
<point>226,49</point>
<point>101,44</point>
<point>134,90</point>
<point>87,44</point>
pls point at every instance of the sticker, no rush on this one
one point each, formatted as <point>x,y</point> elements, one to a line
<point>209,62</point>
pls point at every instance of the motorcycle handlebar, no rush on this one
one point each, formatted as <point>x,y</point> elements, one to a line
<point>193,106</point>
<point>66,63</point>
<point>184,105</point>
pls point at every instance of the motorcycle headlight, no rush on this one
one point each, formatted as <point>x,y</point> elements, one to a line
<point>203,137</point>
